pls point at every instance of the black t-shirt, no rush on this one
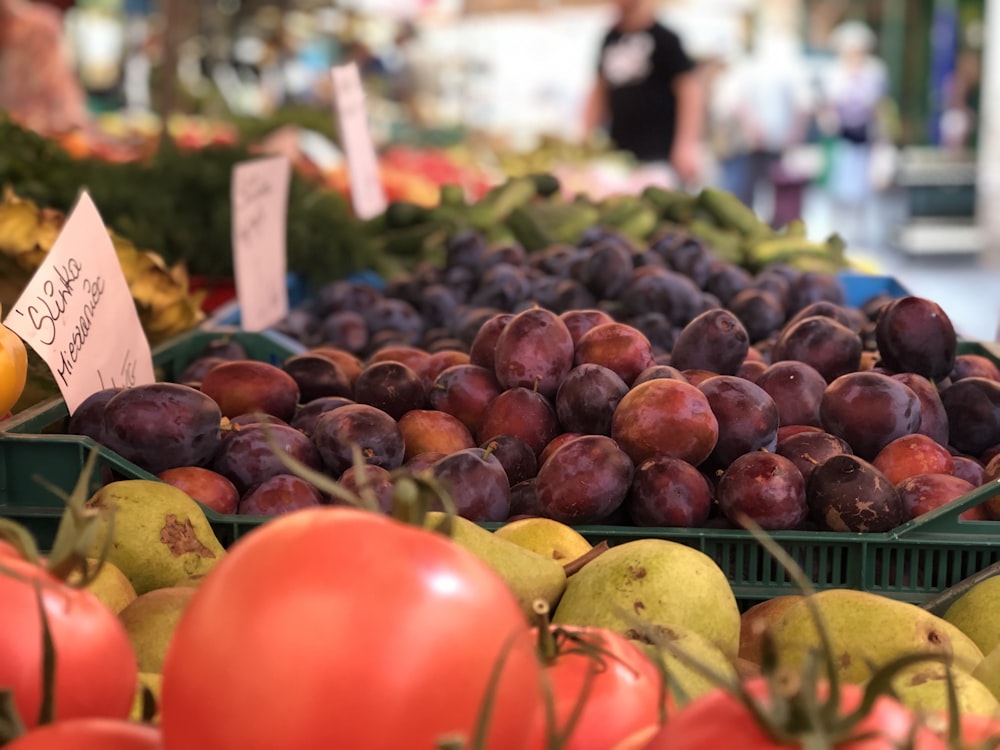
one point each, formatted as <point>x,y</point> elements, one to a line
<point>638,69</point>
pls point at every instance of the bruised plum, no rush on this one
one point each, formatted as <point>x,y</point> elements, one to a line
<point>809,449</point>
<point>764,487</point>
<point>587,397</point>
<point>846,493</point>
<point>584,481</point>
<point>715,340</point>
<point>534,350</point>
<point>160,426</point>
<point>869,410</point>
<point>915,335</point>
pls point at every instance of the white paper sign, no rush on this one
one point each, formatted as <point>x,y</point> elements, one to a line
<point>259,194</point>
<point>77,312</point>
<point>367,195</point>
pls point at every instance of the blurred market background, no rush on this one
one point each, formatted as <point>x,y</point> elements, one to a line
<point>470,93</point>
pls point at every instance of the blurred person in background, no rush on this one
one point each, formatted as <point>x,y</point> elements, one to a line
<point>854,96</point>
<point>38,87</point>
<point>647,92</point>
<point>761,106</point>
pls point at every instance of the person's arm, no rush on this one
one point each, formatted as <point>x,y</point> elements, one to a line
<point>685,155</point>
<point>595,108</point>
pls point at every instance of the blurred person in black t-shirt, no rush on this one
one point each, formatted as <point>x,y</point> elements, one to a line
<point>647,92</point>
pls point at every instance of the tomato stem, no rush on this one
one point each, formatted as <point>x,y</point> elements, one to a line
<point>548,650</point>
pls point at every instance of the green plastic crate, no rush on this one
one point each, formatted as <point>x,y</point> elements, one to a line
<point>60,459</point>
<point>169,360</point>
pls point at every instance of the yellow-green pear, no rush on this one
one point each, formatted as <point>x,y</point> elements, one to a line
<point>110,585</point>
<point>547,537</point>
<point>756,620</point>
<point>868,631</point>
<point>974,613</point>
<point>529,575</point>
<point>924,688</point>
<point>160,534</point>
<point>150,622</point>
<point>148,681</point>
<point>988,672</point>
<point>684,680</point>
<point>653,584</point>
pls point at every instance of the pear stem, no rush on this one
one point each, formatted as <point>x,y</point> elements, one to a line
<point>576,564</point>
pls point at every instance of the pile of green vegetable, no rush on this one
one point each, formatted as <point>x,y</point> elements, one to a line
<point>177,204</point>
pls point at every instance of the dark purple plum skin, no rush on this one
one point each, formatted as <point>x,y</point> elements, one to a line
<point>869,410</point>
<point>667,491</point>
<point>846,493</point>
<point>765,487</point>
<point>477,483</point>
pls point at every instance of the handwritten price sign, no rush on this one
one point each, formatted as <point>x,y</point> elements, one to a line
<point>260,214</point>
<point>367,195</point>
<point>77,312</point>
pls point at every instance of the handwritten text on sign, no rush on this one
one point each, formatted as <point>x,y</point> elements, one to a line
<point>77,313</point>
<point>260,213</point>
<point>367,195</point>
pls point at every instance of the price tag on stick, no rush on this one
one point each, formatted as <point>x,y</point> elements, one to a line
<point>77,312</point>
<point>259,194</point>
<point>367,195</point>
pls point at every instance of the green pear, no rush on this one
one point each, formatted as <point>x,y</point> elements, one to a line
<point>150,622</point>
<point>529,575</point>
<point>684,680</point>
<point>110,585</point>
<point>147,681</point>
<point>547,537</point>
<point>868,631</point>
<point>654,584</point>
<point>756,621</point>
<point>924,688</point>
<point>988,672</point>
<point>974,613</point>
<point>160,533</point>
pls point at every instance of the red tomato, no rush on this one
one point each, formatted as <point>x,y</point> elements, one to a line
<point>90,734</point>
<point>338,628</point>
<point>96,670</point>
<point>621,689</point>
<point>716,719</point>
<point>9,550</point>
<point>977,731</point>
